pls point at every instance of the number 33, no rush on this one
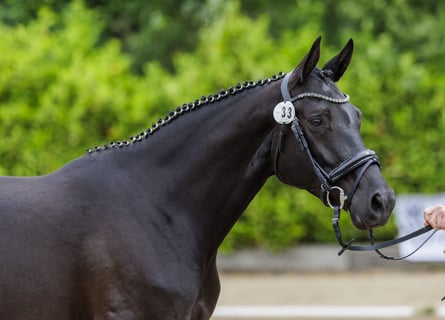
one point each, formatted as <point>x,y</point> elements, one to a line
<point>284,112</point>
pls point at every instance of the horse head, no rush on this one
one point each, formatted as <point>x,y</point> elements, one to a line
<point>325,142</point>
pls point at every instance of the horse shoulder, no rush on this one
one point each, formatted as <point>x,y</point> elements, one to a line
<point>128,272</point>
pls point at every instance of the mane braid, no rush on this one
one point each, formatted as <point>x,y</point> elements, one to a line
<point>173,114</point>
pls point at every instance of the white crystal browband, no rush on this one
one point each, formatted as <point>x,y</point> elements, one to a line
<point>320,96</point>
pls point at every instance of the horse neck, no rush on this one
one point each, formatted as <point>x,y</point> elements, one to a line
<point>215,160</point>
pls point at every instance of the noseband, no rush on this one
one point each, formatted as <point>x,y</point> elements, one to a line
<point>284,114</point>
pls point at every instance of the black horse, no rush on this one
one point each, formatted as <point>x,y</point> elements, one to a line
<point>131,229</point>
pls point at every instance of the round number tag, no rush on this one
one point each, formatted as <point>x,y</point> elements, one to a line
<point>284,112</point>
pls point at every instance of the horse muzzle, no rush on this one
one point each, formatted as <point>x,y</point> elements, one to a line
<point>374,210</point>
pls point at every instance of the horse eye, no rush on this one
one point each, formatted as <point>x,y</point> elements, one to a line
<point>315,121</point>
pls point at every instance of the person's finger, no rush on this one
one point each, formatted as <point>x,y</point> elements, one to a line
<point>428,211</point>
<point>426,218</point>
<point>432,220</point>
<point>440,221</point>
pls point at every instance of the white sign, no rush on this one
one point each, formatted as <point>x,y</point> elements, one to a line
<point>409,217</point>
<point>284,112</point>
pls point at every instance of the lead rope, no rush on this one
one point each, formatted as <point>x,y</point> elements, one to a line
<point>376,247</point>
<point>386,257</point>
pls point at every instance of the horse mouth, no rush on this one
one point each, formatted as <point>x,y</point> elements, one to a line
<point>370,223</point>
<point>358,222</point>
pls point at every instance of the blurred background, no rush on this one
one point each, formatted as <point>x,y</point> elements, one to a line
<point>74,74</point>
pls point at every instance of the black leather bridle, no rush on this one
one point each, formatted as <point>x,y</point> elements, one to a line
<point>362,159</point>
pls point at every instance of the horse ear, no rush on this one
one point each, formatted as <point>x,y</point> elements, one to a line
<point>307,65</point>
<point>340,62</point>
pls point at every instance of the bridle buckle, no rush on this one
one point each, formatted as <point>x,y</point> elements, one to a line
<point>342,197</point>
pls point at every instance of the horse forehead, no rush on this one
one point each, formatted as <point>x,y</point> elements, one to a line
<point>326,87</point>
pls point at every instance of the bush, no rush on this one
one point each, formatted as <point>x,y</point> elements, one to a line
<point>60,92</point>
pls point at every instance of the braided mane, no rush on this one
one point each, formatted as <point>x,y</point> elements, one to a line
<point>179,110</point>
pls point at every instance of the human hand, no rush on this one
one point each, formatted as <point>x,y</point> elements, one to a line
<point>435,217</point>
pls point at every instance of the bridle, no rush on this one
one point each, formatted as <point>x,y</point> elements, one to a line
<point>362,159</point>
<point>284,114</point>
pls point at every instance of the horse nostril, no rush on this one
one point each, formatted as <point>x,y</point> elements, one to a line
<point>377,204</point>
<point>380,206</point>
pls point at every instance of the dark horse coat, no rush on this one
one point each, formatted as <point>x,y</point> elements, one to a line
<point>131,230</point>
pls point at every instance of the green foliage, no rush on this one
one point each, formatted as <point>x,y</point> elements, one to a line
<point>148,30</point>
<point>65,84</point>
<point>59,92</point>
